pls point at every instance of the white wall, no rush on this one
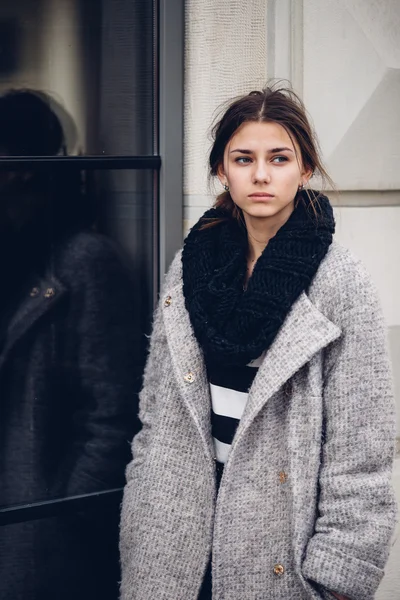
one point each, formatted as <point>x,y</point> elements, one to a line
<point>352,88</point>
<point>351,85</point>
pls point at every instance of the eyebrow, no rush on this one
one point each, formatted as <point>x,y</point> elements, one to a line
<point>272,151</point>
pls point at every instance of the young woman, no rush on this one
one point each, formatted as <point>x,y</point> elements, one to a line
<point>264,460</point>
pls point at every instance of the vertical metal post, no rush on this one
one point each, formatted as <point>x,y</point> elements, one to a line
<point>171,57</point>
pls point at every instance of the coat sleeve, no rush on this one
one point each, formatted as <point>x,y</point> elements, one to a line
<point>157,371</point>
<point>357,509</point>
<point>153,377</point>
<point>105,372</point>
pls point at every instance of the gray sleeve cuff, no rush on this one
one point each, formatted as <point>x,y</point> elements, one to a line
<point>340,572</point>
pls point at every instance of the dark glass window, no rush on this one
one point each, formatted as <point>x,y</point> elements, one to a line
<point>96,59</point>
<point>79,189</point>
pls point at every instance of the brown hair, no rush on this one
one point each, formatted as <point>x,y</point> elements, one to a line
<point>274,104</point>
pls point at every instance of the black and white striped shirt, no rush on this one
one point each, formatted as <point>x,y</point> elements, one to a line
<point>229,389</point>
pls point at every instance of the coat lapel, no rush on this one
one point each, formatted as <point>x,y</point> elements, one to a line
<point>43,294</point>
<point>304,333</point>
<point>188,363</point>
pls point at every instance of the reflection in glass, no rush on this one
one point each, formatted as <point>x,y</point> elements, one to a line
<point>82,565</point>
<point>94,58</point>
<point>72,316</point>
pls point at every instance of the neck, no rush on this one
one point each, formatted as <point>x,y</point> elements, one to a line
<point>260,230</point>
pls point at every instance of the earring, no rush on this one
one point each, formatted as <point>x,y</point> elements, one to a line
<point>226,187</point>
<point>301,187</point>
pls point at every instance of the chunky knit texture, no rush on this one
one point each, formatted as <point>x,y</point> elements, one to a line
<point>234,327</point>
<point>307,482</point>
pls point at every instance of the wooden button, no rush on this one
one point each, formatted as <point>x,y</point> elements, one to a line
<point>189,377</point>
<point>279,569</point>
<point>283,477</point>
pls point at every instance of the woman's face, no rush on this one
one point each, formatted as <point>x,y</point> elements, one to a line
<point>263,170</point>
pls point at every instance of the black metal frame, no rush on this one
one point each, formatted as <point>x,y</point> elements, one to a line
<point>59,506</point>
<point>152,162</point>
<point>171,63</point>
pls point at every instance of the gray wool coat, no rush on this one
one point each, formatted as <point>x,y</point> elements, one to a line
<point>305,503</point>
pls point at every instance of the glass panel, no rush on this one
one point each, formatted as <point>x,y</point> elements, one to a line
<point>72,330</point>
<point>72,349</point>
<point>94,60</point>
<point>68,557</point>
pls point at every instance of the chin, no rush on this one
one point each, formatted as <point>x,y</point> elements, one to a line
<point>261,212</point>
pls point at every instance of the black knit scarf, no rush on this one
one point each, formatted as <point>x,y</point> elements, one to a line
<point>234,326</point>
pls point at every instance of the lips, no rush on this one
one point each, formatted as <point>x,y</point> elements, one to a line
<point>261,195</point>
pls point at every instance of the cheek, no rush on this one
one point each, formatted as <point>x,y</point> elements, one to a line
<point>237,177</point>
<point>289,177</point>
<point>240,175</point>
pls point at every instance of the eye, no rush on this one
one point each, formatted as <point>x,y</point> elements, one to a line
<point>280,159</point>
<point>243,160</point>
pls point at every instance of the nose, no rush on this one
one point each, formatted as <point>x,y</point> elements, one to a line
<point>261,172</point>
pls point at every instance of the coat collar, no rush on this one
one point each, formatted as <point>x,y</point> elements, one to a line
<point>42,295</point>
<point>304,332</point>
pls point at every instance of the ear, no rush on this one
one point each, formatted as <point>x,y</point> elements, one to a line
<point>306,176</point>
<point>221,174</point>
